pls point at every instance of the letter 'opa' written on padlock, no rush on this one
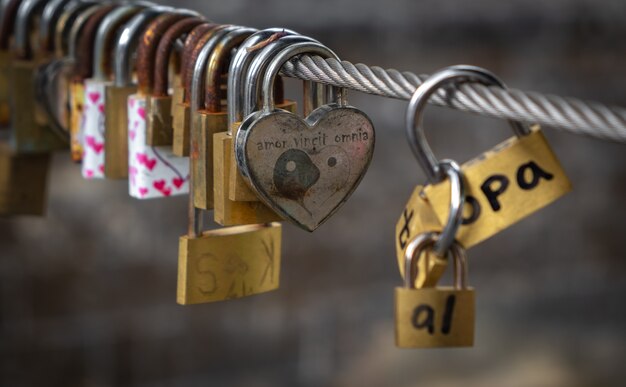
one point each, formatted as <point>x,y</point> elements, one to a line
<point>504,185</point>
<point>304,169</point>
<point>434,317</point>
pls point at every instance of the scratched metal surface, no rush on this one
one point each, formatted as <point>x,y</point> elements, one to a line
<point>87,295</point>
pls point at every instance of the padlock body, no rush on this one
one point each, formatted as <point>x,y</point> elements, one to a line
<point>5,61</point>
<point>93,130</point>
<point>418,217</point>
<point>229,263</point>
<point>434,317</point>
<point>239,189</point>
<point>116,131</point>
<point>23,182</point>
<point>160,132</point>
<point>77,104</point>
<point>226,211</point>
<point>26,135</point>
<point>206,125</point>
<point>504,185</point>
<point>181,113</point>
<point>154,172</point>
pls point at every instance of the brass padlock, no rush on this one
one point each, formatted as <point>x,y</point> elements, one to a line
<point>228,263</point>
<point>27,135</point>
<point>23,182</point>
<point>207,112</point>
<point>243,104</point>
<point>181,111</point>
<point>116,95</point>
<point>434,317</point>
<point>160,130</point>
<point>504,185</point>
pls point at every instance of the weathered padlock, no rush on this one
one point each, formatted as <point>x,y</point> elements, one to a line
<point>181,110</point>
<point>504,185</point>
<point>116,95</point>
<point>153,171</point>
<point>241,104</point>
<point>92,136</point>
<point>160,132</point>
<point>23,182</point>
<point>227,263</point>
<point>304,169</point>
<point>9,14</point>
<point>207,114</point>
<point>27,135</point>
<point>434,317</point>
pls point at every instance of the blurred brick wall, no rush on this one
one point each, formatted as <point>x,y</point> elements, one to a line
<point>87,295</point>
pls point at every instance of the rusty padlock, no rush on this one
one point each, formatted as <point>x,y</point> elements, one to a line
<point>116,95</point>
<point>207,112</point>
<point>160,132</point>
<point>27,136</point>
<point>181,110</point>
<point>93,132</point>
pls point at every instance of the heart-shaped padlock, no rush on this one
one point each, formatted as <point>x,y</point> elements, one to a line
<point>304,169</point>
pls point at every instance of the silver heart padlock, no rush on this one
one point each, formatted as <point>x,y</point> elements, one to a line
<point>304,169</point>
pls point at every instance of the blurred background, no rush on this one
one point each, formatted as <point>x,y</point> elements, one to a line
<point>87,294</point>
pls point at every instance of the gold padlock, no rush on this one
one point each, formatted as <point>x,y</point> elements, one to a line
<point>116,95</point>
<point>208,114</point>
<point>181,107</point>
<point>27,135</point>
<point>227,263</point>
<point>159,120</point>
<point>504,185</point>
<point>23,182</point>
<point>434,317</point>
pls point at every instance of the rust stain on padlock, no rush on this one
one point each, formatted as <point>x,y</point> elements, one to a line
<point>193,57</point>
<point>164,50</point>
<point>84,52</point>
<point>147,49</point>
<point>190,43</point>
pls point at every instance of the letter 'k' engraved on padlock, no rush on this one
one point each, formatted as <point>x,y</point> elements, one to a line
<point>434,317</point>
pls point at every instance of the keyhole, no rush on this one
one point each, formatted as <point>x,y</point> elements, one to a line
<point>290,166</point>
<point>332,162</point>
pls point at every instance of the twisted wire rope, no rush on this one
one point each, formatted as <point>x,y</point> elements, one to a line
<point>574,115</point>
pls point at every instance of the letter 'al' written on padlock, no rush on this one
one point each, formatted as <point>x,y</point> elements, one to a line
<point>435,317</point>
<point>419,217</point>
<point>504,185</point>
<point>229,263</point>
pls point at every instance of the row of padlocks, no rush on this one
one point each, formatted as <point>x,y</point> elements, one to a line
<point>179,105</point>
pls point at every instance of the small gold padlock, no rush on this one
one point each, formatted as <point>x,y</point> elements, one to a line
<point>434,317</point>
<point>23,182</point>
<point>504,185</point>
<point>181,106</point>
<point>159,119</point>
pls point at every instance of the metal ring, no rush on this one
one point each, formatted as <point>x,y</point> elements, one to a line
<point>414,117</point>
<point>457,201</point>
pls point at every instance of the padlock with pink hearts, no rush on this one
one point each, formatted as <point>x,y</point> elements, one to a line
<point>153,172</point>
<point>92,131</point>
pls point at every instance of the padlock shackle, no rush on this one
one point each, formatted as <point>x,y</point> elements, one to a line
<point>147,50</point>
<point>63,26</point>
<point>191,41</point>
<point>414,116</point>
<point>218,64</point>
<point>455,212</point>
<point>104,38</point>
<point>23,25</point>
<point>239,66</point>
<point>85,52</point>
<point>77,28</point>
<point>51,13</point>
<point>196,64</point>
<point>277,62</point>
<point>252,78</point>
<point>9,14</point>
<point>416,246</point>
<point>164,52</point>
<point>128,41</point>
